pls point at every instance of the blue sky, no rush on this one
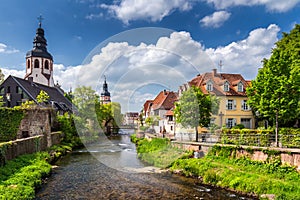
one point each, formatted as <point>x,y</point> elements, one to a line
<point>238,32</point>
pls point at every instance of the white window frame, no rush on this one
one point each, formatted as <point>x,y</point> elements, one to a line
<point>226,86</point>
<point>245,106</point>
<point>230,122</point>
<point>240,87</point>
<point>230,104</point>
<point>209,86</point>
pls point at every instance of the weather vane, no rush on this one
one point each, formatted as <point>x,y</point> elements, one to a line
<point>40,18</point>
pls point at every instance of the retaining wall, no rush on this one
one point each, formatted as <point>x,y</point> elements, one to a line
<point>288,156</point>
<point>31,144</point>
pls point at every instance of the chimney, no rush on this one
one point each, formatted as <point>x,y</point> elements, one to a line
<point>214,72</point>
<point>30,79</point>
<point>165,92</point>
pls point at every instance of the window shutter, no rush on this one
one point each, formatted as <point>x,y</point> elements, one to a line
<point>242,105</point>
<point>226,105</point>
<point>234,104</point>
<point>234,122</point>
<point>226,122</point>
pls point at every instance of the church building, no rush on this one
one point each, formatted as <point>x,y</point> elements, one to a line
<point>38,77</point>
<point>105,95</point>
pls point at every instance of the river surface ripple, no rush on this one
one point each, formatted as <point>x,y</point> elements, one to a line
<point>111,170</point>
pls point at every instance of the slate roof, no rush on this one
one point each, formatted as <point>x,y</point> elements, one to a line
<point>218,80</point>
<point>33,89</point>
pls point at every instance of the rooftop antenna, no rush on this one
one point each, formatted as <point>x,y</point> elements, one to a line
<point>220,65</point>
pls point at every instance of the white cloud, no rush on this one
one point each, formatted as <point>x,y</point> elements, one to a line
<point>271,5</point>
<point>245,56</point>
<point>216,19</point>
<point>5,49</point>
<point>129,10</point>
<point>168,63</point>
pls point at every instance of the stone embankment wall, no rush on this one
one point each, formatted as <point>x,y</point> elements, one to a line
<point>31,144</point>
<point>287,155</point>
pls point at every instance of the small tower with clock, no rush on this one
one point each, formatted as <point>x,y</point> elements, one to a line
<point>39,62</point>
<point>105,95</point>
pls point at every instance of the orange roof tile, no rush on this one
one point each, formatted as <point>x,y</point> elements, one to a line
<point>218,80</point>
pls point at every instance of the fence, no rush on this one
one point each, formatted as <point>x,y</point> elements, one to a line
<point>260,140</point>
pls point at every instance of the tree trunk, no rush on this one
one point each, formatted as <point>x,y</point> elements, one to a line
<point>276,130</point>
<point>196,134</point>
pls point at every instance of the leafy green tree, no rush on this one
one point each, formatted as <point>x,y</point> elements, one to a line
<point>42,97</point>
<point>84,99</point>
<point>1,101</point>
<point>193,109</point>
<point>275,92</point>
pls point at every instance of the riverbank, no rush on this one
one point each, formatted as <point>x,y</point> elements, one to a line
<point>22,176</point>
<point>219,168</point>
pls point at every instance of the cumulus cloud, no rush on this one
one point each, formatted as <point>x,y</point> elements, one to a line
<point>271,5</point>
<point>245,56</point>
<point>5,49</point>
<point>216,19</point>
<point>168,63</point>
<point>129,10</point>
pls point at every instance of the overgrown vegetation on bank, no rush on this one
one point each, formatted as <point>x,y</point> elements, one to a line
<point>158,152</point>
<point>221,168</point>
<point>20,177</point>
<point>9,123</point>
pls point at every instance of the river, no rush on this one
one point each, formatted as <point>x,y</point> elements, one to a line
<point>111,170</point>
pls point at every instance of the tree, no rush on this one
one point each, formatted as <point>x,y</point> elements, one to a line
<point>193,109</point>
<point>84,99</point>
<point>42,97</point>
<point>275,92</point>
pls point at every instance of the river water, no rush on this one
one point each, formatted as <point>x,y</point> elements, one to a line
<point>111,170</point>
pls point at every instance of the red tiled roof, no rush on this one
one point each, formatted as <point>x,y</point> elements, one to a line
<point>169,113</point>
<point>218,80</point>
<point>164,100</point>
<point>147,106</point>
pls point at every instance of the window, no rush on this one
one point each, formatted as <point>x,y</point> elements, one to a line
<point>240,87</point>
<point>209,86</point>
<point>230,122</point>
<point>46,64</point>
<point>246,122</point>
<point>171,128</point>
<point>226,87</point>
<point>28,63</point>
<point>245,105</point>
<point>36,63</point>
<point>8,89</point>
<point>230,104</point>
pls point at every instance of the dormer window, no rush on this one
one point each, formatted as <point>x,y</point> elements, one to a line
<point>209,86</point>
<point>240,87</point>
<point>226,87</point>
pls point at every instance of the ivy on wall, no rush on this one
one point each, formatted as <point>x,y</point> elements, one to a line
<point>9,123</point>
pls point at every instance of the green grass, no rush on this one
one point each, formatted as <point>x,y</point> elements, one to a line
<point>20,177</point>
<point>158,152</point>
<point>244,175</point>
<point>221,168</point>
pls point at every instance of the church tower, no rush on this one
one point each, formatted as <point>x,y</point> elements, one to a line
<point>105,95</point>
<point>39,62</point>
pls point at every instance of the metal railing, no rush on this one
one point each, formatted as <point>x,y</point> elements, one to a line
<point>259,140</point>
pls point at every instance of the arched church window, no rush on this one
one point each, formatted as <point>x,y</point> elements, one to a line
<point>36,63</point>
<point>46,64</point>
<point>28,63</point>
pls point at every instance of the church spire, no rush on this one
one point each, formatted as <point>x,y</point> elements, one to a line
<point>105,95</point>
<point>39,62</point>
